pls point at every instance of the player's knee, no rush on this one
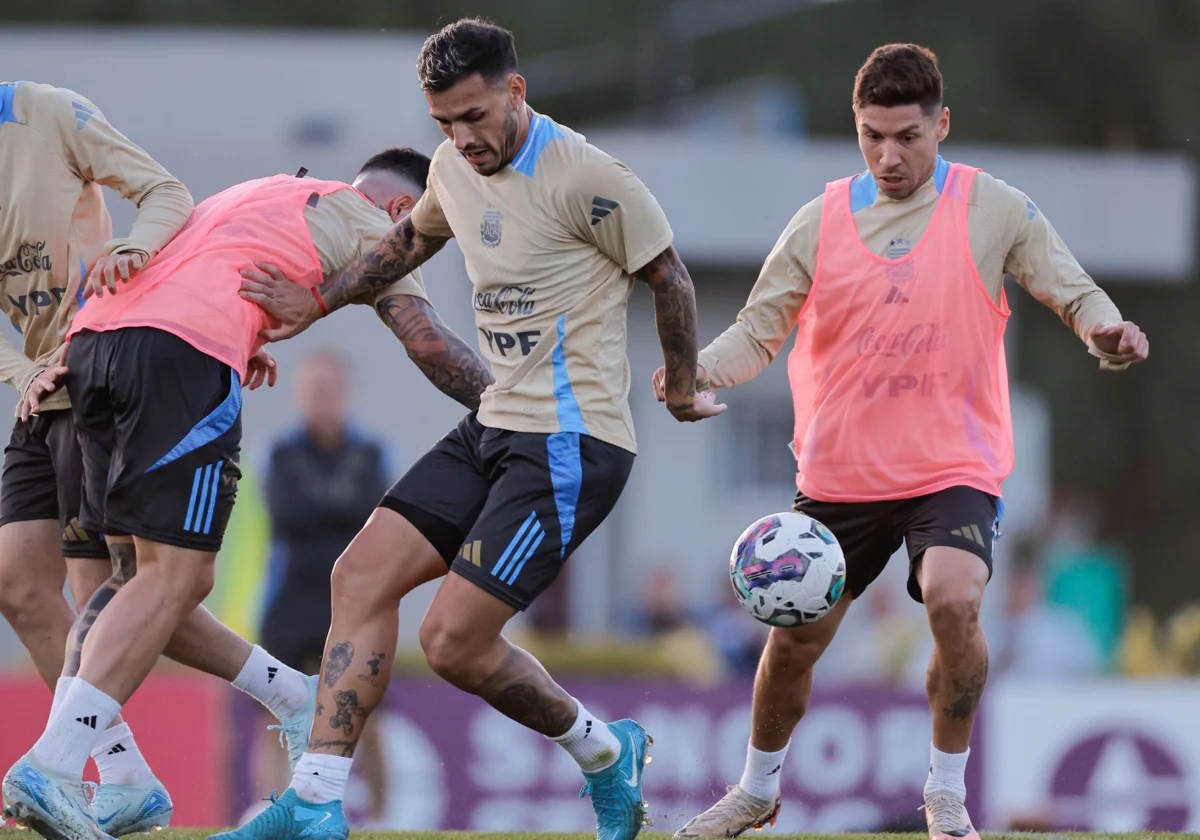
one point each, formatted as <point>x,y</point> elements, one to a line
<point>355,581</point>
<point>953,611</point>
<point>794,653</point>
<point>448,650</point>
<point>21,591</point>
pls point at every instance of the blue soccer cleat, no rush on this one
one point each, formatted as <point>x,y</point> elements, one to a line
<point>127,809</point>
<point>616,791</point>
<point>289,818</point>
<point>52,804</point>
<point>297,727</point>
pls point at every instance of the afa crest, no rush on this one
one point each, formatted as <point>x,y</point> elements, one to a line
<point>490,230</point>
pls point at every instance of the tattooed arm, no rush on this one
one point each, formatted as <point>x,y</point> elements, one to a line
<point>675,314</point>
<point>444,358</point>
<point>396,255</point>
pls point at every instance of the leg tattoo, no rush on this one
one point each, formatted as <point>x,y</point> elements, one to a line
<point>523,691</point>
<point>967,695</point>
<point>124,565</point>
<point>373,664</point>
<point>338,661</point>
<point>347,710</point>
<point>346,747</point>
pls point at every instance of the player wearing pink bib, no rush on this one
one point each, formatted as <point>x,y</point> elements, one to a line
<point>894,282</point>
<point>155,371</point>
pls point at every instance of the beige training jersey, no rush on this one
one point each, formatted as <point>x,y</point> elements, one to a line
<point>1007,232</point>
<point>56,151</point>
<point>343,226</point>
<point>550,243</point>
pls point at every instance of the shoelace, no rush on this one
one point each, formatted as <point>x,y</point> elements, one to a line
<point>282,735</point>
<point>948,812</point>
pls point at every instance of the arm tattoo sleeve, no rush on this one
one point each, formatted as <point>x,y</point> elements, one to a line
<point>403,249</point>
<point>675,313</point>
<point>444,358</point>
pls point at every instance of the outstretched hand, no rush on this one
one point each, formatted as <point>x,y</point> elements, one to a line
<point>1123,343</point>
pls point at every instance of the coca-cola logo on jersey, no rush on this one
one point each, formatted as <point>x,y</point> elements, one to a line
<point>926,337</point>
<point>30,257</point>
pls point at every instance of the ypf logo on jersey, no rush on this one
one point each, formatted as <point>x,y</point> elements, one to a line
<point>491,229</point>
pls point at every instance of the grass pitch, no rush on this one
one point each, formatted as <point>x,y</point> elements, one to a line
<point>202,834</point>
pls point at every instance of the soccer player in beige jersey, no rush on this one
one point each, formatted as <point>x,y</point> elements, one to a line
<point>891,209</point>
<point>56,152</point>
<point>554,232</point>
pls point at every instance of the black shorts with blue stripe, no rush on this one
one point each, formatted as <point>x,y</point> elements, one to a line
<point>506,509</point>
<point>160,426</point>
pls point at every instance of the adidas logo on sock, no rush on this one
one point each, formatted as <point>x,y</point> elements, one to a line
<point>117,748</point>
<point>87,720</point>
<point>896,296</point>
<point>587,729</point>
<point>601,208</point>
<point>271,672</point>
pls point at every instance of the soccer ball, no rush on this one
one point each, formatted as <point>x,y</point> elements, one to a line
<point>787,569</point>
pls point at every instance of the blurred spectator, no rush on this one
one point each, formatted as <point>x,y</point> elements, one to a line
<point>322,483</point>
<point>1085,574</point>
<point>1039,640</point>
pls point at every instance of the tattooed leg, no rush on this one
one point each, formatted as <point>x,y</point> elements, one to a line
<point>952,584</point>
<point>462,642</point>
<point>386,561</point>
<point>124,567</point>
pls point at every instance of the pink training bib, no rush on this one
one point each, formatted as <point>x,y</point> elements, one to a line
<point>898,374</point>
<point>190,289</point>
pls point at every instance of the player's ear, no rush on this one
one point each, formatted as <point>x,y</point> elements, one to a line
<point>400,207</point>
<point>943,124</point>
<point>516,90</point>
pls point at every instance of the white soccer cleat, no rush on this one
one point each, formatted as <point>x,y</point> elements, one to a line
<point>734,813</point>
<point>53,805</point>
<point>129,809</point>
<point>947,817</point>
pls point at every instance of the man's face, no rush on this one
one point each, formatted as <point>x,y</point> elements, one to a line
<point>321,394</point>
<point>900,145</point>
<point>482,119</point>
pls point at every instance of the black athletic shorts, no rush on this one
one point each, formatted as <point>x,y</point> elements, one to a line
<point>160,425</point>
<point>43,479</point>
<point>871,532</point>
<point>505,509</point>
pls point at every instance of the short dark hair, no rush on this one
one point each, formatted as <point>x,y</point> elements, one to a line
<point>899,74</point>
<point>462,49</point>
<point>404,161</point>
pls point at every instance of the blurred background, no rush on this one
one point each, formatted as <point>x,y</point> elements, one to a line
<point>735,113</point>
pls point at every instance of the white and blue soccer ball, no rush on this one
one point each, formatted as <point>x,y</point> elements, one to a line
<point>787,569</point>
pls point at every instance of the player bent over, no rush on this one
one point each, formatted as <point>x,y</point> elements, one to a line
<point>155,374</point>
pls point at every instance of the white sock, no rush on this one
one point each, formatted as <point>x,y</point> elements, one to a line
<point>320,779</point>
<point>119,760</point>
<point>590,742</point>
<point>947,772</point>
<point>283,690</point>
<point>760,779</point>
<point>70,737</point>
<point>60,691</point>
